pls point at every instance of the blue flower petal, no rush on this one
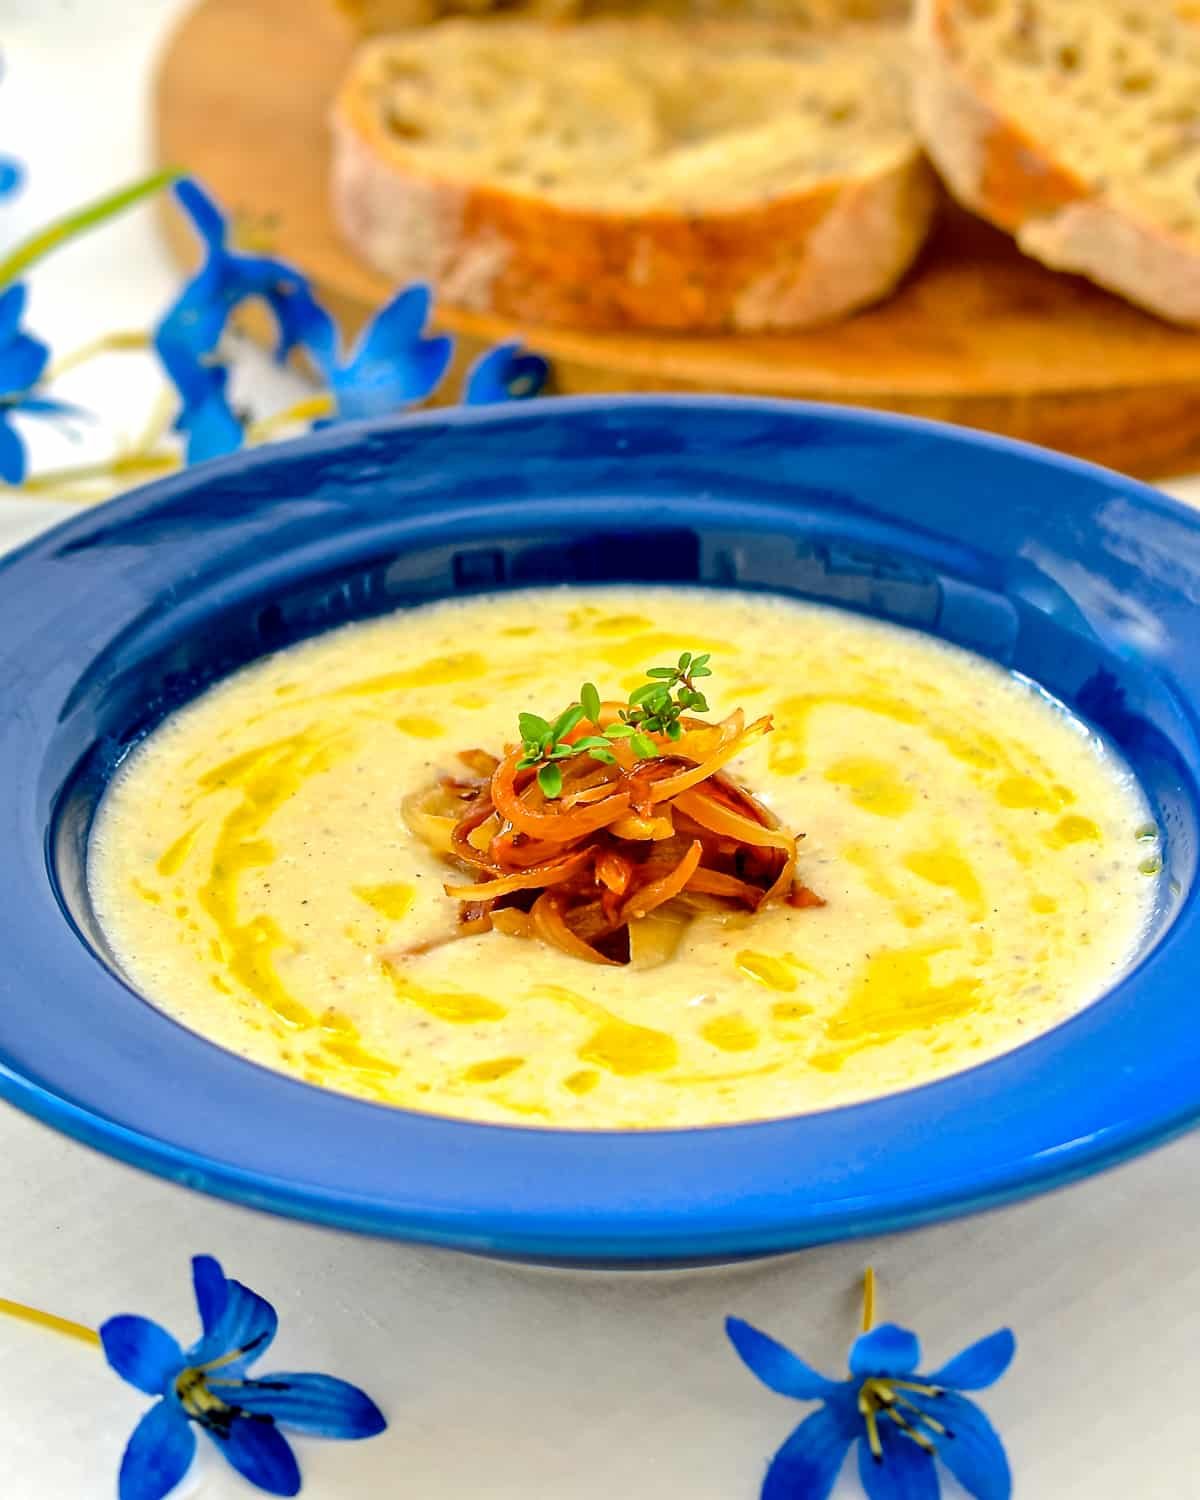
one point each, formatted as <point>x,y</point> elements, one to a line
<point>12,175</point>
<point>207,218</point>
<point>807,1466</point>
<point>12,310</point>
<point>211,1289</point>
<point>212,429</point>
<point>303,324</point>
<point>12,454</point>
<point>374,390</point>
<point>505,373</point>
<point>979,1365</point>
<point>260,1453</point>
<point>396,325</point>
<point>192,326</point>
<point>776,1366</point>
<point>906,1472</point>
<point>392,364</point>
<point>246,1323</point>
<point>141,1352</point>
<point>22,361</point>
<point>886,1350</point>
<point>974,1454</point>
<point>318,1404</point>
<point>158,1454</point>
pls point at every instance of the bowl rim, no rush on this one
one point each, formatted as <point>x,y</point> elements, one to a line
<point>763,1186</point>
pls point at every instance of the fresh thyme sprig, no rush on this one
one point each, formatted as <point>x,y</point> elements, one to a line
<point>654,708</point>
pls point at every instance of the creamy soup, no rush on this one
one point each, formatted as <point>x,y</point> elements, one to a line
<point>987,866</point>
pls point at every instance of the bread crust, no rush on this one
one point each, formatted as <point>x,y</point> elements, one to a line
<point>997,170</point>
<point>797,260</point>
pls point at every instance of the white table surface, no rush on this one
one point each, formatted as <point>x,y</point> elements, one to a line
<point>501,1382</point>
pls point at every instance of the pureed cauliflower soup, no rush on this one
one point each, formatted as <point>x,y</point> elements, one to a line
<point>833,860</point>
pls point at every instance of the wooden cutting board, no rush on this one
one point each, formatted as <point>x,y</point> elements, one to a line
<point>977,334</point>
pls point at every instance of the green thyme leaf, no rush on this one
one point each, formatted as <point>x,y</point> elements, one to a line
<point>619,731</point>
<point>567,721</point>
<point>550,780</point>
<point>668,672</point>
<point>643,746</point>
<point>533,728</point>
<point>589,698</point>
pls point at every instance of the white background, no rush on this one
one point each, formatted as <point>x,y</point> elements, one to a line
<point>501,1382</point>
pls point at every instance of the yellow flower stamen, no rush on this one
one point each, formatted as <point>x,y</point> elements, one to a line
<point>52,1321</point>
<point>916,1387</point>
<point>868,1412</point>
<point>910,1431</point>
<point>930,1422</point>
<point>868,1313</point>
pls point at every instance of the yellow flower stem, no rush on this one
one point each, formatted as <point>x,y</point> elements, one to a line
<point>868,1313</point>
<point>52,1321</point>
<point>109,343</point>
<point>310,409</point>
<point>130,465</point>
<point>159,422</point>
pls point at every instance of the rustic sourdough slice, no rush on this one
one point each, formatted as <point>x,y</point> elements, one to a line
<point>634,174</point>
<point>1075,125</point>
<point>377,17</point>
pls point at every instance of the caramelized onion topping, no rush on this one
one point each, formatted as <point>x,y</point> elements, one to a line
<point>641,841</point>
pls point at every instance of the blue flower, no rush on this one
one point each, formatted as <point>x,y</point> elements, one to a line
<point>901,1421</point>
<point>199,316</point>
<point>207,1385</point>
<point>505,373</point>
<point>392,365</point>
<point>190,332</point>
<point>23,361</point>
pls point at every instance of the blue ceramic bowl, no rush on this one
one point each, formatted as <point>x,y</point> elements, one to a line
<point>1086,582</point>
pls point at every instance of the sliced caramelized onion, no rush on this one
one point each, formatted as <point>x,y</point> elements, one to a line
<point>673,785</point>
<point>534,878</point>
<point>513,922</point>
<point>640,829</point>
<point>613,869</point>
<point>655,938</point>
<point>561,827</point>
<point>432,816</point>
<point>716,883</point>
<point>713,815</point>
<point>659,891</point>
<point>479,761</point>
<point>548,922</point>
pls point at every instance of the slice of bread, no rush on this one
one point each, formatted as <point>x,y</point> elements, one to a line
<point>378,17</point>
<point>1075,125</point>
<point>634,174</point>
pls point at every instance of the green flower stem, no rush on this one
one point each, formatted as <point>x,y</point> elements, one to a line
<point>79,221</point>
